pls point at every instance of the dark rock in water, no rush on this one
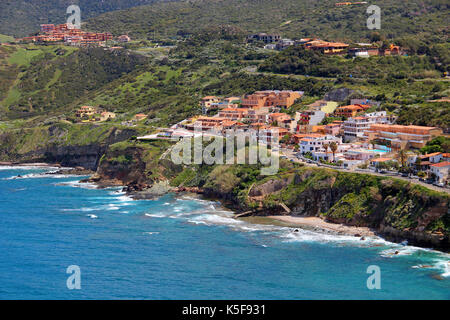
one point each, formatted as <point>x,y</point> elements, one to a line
<point>139,191</point>
<point>437,277</point>
<point>80,171</point>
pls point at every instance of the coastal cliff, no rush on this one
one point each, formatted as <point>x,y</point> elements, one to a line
<point>395,209</point>
<point>66,144</point>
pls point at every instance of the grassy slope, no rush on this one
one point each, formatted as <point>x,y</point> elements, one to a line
<point>293,18</point>
<point>21,17</point>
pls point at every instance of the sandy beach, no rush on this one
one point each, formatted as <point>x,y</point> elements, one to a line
<point>317,223</point>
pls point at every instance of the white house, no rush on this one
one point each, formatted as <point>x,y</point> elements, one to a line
<point>440,170</point>
<point>312,144</point>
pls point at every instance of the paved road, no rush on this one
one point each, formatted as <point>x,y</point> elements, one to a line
<point>290,155</point>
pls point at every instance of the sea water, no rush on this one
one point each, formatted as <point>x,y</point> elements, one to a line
<point>181,247</point>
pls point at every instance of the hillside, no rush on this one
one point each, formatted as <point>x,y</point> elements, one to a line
<point>43,79</point>
<point>21,17</point>
<point>292,18</point>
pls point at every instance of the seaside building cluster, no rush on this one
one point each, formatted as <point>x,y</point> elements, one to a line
<point>348,136</point>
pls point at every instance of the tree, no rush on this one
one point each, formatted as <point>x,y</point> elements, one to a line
<point>333,148</point>
<point>418,162</point>
<point>421,174</point>
<point>402,156</point>
<point>326,146</point>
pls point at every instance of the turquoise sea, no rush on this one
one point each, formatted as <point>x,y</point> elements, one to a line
<point>178,247</point>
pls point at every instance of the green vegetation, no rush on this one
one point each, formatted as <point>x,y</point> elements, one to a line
<point>297,60</point>
<point>49,78</point>
<point>21,17</point>
<point>439,144</point>
<point>291,18</point>
<point>5,38</point>
<point>426,114</point>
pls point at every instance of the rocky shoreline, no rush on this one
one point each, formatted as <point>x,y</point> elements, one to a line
<point>306,211</point>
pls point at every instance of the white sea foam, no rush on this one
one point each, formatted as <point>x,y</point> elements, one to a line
<point>155,215</point>
<point>109,207</point>
<point>78,184</point>
<point>39,175</point>
<point>92,216</point>
<point>2,168</point>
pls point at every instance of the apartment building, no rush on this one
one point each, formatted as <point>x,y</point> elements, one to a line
<point>401,137</point>
<point>271,98</point>
<point>355,128</point>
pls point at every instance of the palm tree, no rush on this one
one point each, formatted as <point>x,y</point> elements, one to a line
<point>402,157</point>
<point>325,146</point>
<point>333,148</point>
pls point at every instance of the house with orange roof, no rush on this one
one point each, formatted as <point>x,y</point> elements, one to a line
<point>435,157</point>
<point>296,138</point>
<point>278,117</point>
<point>375,162</point>
<point>446,157</point>
<point>326,47</point>
<point>85,112</point>
<point>441,171</point>
<point>233,113</point>
<point>349,111</point>
<point>207,101</point>
<point>124,38</point>
<point>271,98</point>
<point>333,129</point>
<point>140,117</point>
<point>270,135</point>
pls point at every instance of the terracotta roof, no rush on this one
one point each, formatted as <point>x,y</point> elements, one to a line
<point>209,97</point>
<point>351,107</point>
<point>430,155</point>
<point>381,160</point>
<point>441,165</point>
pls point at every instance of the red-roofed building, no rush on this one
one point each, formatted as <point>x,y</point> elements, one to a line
<point>441,171</point>
<point>402,137</point>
